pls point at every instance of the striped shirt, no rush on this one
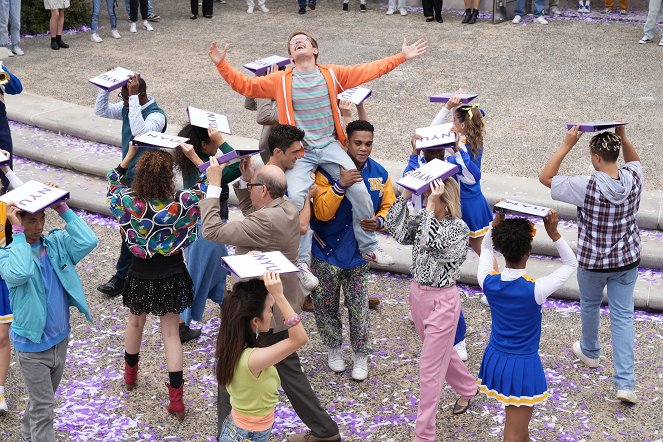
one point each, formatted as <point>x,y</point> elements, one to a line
<point>312,106</point>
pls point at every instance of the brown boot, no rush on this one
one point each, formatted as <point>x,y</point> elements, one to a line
<point>308,304</point>
<point>373,302</point>
<point>176,405</point>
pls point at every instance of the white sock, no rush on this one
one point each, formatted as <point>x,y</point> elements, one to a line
<point>2,389</point>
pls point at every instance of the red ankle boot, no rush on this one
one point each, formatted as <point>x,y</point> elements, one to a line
<point>176,405</point>
<point>130,375</point>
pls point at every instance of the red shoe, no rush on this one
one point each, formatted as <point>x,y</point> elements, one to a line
<point>130,375</point>
<point>176,405</point>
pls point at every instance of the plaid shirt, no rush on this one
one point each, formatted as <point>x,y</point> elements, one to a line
<point>608,235</point>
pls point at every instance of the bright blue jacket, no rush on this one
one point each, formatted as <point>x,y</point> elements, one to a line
<point>20,270</point>
<point>14,86</point>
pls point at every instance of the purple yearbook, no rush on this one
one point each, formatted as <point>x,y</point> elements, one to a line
<point>443,98</point>
<point>418,181</point>
<point>596,126</point>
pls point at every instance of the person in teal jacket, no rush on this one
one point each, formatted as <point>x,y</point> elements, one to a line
<point>40,272</point>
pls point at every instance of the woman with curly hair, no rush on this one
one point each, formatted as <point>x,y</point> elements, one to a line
<point>203,257</point>
<point>157,223</point>
<point>511,369</point>
<point>439,246</point>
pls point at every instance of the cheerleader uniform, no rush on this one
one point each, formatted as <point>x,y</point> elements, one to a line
<point>6,315</point>
<point>511,369</point>
<point>475,209</point>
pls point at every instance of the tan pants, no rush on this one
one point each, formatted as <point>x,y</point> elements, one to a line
<point>623,4</point>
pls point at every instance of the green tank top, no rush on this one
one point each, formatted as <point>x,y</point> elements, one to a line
<point>250,395</point>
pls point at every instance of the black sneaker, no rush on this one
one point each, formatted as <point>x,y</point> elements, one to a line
<point>54,45</point>
<point>345,7</point>
<point>113,287</point>
<point>154,17</point>
<point>187,333</point>
<point>362,8</point>
<point>62,44</point>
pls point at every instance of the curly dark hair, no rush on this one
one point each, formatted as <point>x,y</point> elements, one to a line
<point>513,238</point>
<point>197,136</point>
<point>154,176</point>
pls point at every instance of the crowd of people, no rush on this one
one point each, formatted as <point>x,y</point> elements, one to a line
<point>319,199</point>
<point>10,16</point>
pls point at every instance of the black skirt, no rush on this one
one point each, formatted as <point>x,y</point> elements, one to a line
<point>158,285</point>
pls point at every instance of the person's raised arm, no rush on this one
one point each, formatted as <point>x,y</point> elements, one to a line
<point>264,357</point>
<point>627,147</point>
<point>139,125</point>
<point>487,257</point>
<point>254,87</point>
<point>551,168</point>
<point>549,284</point>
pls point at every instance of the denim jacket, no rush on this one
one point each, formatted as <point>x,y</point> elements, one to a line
<point>20,270</point>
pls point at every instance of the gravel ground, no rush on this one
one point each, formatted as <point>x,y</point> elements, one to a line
<point>92,404</point>
<point>532,78</point>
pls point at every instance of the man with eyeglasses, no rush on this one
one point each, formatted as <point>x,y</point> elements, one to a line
<point>139,114</point>
<point>306,97</point>
<point>271,223</point>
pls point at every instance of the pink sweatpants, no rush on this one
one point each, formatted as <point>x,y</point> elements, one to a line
<point>435,314</point>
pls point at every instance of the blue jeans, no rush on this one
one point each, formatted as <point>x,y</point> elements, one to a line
<point>461,329</point>
<point>620,301</point>
<point>10,21</point>
<point>96,9</point>
<point>652,15</point>
<point>329,158</point>
<point>127,6</point>
<point>232,433</point>
<point>302,3</point>
<point>539,6</point>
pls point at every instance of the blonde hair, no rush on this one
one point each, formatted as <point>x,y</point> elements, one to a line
<point>451,197</point>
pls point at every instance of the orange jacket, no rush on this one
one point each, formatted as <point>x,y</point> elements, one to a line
<point>278,85</point>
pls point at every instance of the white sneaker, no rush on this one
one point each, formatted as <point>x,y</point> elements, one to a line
<point>378,256</point>
<point>95,38</point>
<point>484,300</point>
<point>359,367</point>
<point>335,360</point>
<point>627,396</point>
<point>147,26</point>
<point>3,405</point>
<point>263,8</point>
<point>645,40</point>
<point>249,10</point>
<point>132,28</point>
<point>403,12</point>
<point>517,19</point>
<point>5,52</point>
<point>306,278</point>
<point>390,11</point>
<point>660,43</point>
<point>114,33</point>
<point>409,317</point>
<point>541,20</point>
<point>577,351</point>
<point>17,51</point>
<point>461,349</point>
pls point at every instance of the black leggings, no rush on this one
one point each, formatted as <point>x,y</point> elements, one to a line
<point>208,7</point>
<point>133,10</point>
<point>432,8</point>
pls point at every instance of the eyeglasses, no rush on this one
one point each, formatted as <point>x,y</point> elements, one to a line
<point>298,40</point>
<point>252,185</point>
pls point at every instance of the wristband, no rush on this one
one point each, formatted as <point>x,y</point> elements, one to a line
<point>18,229</point>
<point>292,320</point>
<point>338,188</point>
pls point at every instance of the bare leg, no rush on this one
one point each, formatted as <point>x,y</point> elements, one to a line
<point>475,243</point>
<point>53,23</point>
<point>134,333</point>
<point>60,21</point>
<point>170,334</point>
<point>5,353</point>
<point>516,427</point>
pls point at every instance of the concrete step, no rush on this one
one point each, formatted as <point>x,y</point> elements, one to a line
<point>89,193</point>
<point>63,117</point>
<point>97,159</point>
